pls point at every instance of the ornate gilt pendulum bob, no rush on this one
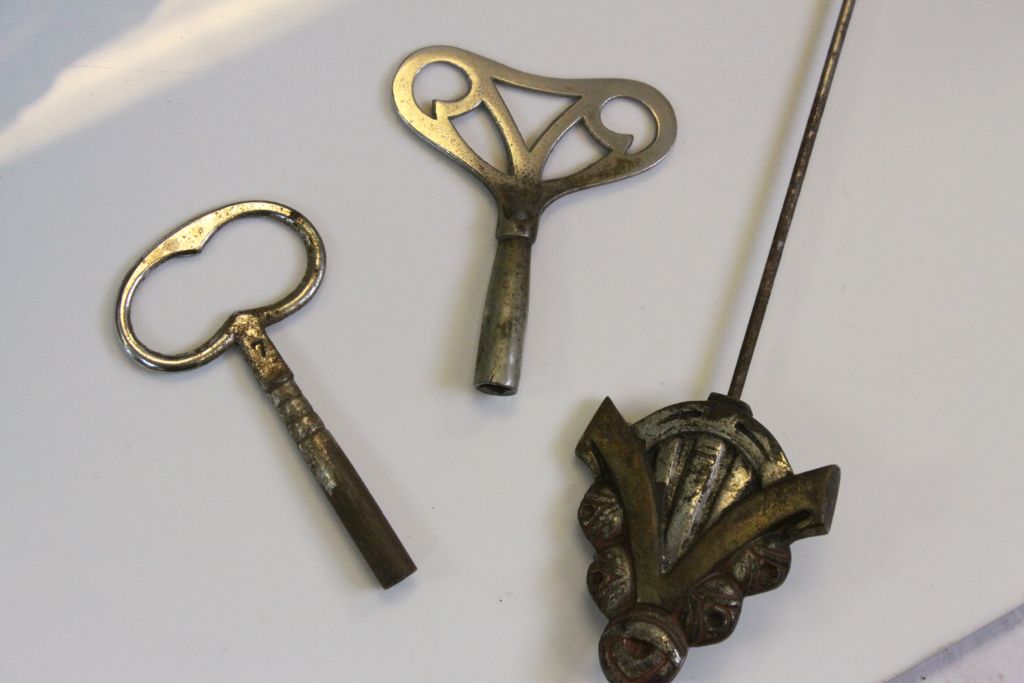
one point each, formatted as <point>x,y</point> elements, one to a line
<point>694,507</point>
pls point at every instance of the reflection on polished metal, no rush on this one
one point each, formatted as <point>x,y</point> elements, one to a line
<point>694,507</point>
<point>339,480</point>
<point>520,191</point>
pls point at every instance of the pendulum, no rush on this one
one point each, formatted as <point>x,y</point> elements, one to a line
<point>521,191</point>
<point>694,507</point>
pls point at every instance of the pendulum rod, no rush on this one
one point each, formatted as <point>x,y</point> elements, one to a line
<point>796,182</point>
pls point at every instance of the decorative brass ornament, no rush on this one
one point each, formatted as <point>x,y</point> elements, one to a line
<point>520,191</point>
<point>694,507</point>
<point>246,330</point>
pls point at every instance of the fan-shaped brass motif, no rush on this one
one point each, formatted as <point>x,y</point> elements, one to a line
<point>693,509</point>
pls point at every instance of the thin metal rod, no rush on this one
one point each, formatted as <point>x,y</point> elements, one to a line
<point>796,182</point>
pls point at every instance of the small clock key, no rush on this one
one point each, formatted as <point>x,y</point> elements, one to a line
<point>246,330</point>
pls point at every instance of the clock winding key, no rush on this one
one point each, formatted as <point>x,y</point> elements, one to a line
<point>521,192</point>
<point>246,330</point>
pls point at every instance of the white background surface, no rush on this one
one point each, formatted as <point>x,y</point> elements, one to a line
<point>162,528</point>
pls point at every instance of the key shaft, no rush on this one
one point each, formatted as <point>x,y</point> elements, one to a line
<point>503,329</point>
<point>348,495</point>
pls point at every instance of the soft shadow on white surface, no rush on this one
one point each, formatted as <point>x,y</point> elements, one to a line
<point>193,35</point>
<point>69,30</point>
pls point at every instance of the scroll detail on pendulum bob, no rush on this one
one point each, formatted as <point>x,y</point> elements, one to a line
<point>693,509</point>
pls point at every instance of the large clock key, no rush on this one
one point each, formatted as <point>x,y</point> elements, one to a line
<point>520,191</point>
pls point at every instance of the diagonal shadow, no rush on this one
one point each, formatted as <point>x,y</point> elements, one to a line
<point>70,30</point>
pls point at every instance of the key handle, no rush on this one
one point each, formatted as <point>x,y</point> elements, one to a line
<point>190,239</point>
<point>521,190</point>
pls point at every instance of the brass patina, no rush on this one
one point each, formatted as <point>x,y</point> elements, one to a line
<point>694,507</point>
<point>246,330</point>
<point>520,191</point>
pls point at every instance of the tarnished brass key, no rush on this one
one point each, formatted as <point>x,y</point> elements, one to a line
<point>337,477</point>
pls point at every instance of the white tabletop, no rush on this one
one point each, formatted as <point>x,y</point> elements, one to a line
<point>161,527</point>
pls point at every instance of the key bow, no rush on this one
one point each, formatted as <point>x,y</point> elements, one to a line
<point>523,180</point>
<point>190,239</point>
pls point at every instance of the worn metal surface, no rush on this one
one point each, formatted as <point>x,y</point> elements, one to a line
<point>692,510</point>
<point>246,330</point>
<point>520,191</point>
<point>694,507</point>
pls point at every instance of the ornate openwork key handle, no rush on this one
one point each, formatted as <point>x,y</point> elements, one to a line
<point>520,191</point>
<point>694,507</point>
<point>339,480</point>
